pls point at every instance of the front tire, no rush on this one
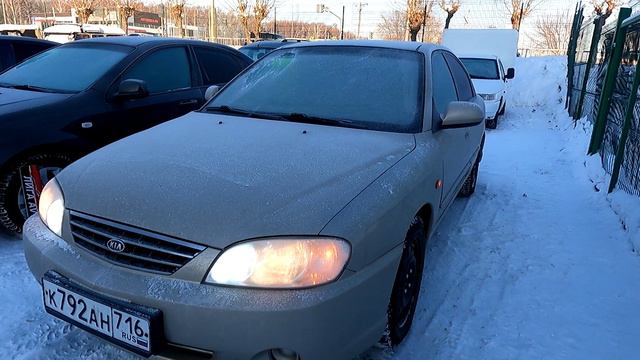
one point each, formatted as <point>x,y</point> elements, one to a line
<point>12,207</point>
<point>493,123</point>
<point>406,288</point>
<point>469,186</point>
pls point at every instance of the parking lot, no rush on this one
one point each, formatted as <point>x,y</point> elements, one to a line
<point>536,265</point>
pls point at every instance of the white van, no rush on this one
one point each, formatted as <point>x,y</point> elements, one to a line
<point>489,56</point>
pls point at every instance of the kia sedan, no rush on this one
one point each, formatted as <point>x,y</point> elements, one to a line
<point>267,227</point>
<point>75,98</point>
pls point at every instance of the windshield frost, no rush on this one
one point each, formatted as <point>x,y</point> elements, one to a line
<point>481,68</point>
<point>65,68</point>
<point>375,88</point>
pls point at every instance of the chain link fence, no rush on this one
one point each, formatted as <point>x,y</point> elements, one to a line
<point>603,81</point>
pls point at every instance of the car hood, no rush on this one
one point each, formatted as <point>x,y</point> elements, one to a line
<point>217,179</point>
<point>485,86</point>
<point>12,99</point>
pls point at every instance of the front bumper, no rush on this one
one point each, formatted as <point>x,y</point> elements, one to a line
<point>334,321</point>
<point>491,108</point>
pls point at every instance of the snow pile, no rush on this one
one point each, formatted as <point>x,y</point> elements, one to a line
<point>539,81</point>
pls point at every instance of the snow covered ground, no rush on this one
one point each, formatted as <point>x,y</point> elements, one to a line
<point>538,264</point>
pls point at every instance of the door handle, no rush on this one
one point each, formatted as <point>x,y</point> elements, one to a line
<point>188,102</point>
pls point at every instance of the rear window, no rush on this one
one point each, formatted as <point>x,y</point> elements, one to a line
<point>481,68</point>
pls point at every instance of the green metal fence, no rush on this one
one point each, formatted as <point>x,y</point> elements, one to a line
<point>604,79</point>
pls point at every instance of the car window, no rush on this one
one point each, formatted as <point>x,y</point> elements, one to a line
<point>444,90</point>
<point>163,70</point>
<point>481,68</point>
<point>67,68</point>
<point>218,66</point>
<point>373,88</point>
<point>24,50</point>
<point>460,77</point>
<point>6,58</point>
<point>501,69</point>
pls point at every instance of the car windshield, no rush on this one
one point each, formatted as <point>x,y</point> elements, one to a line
<point>255,53</point>
<point>481,68</point>
<point>363,87</point>
<point>66,69</point>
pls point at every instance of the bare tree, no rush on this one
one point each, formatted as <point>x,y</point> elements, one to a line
<point>177,13</point>
<point>417,11</point>
<point>451,8</point>
<point>520,9</point>
<point>245,21</point>
<point>126,9</point>
<point>393,25</point>
<point>84,9</point>
<point>604,8</point>
<point>553,32</point>
<point>261,10</point>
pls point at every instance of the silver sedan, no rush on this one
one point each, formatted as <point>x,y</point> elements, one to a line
<point>287,219</point>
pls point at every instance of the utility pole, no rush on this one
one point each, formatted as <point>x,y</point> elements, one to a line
<point>4,13</point>
<point>342,28</point>
<point>360,6</point>
<point>424,21</point>
<point>321,8</point>
<point>275,20</point>
<point>213,22</point>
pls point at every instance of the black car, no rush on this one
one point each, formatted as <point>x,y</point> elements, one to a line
<point>72,99</point>
<point>15,49</point>
<point>258,49</point>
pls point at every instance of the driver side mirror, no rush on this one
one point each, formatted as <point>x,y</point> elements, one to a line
<point>511,73</point>
<point>211,92</point>
<point>132,89</point>
<point>463,113</point>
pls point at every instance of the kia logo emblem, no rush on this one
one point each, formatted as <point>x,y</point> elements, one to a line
<point>115,245</point>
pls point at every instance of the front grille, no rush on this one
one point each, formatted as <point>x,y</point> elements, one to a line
<point>143,250</point>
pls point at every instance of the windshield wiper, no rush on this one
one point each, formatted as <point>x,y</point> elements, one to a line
<point>309,119</point>
<point>28,87</point>
<point>224,109</point>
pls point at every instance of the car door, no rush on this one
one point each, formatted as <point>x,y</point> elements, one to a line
<point>172,82</point>
<point>464,88</point>
<point>451,141</point>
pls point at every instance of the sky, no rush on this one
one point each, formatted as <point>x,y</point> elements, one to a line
<point>472,14</point>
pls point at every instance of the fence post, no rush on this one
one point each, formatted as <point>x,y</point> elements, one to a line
<point>609,84</point>
<point>571,52</point>
<point>624,134</point>
<point>593,52</point>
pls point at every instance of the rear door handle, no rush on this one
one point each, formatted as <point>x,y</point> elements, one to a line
<point>188,102</point>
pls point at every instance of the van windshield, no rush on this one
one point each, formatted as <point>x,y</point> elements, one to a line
<point>481,68</point>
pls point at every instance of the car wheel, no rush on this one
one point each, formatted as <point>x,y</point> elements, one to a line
<point>493,123</point>
<point>13,209</point>
<point>469,186</point>
<point>406,288</point>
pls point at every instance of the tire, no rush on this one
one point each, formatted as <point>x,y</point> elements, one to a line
<point>493,123</point>
<point>469,186</point>
<point>406,288</point>
<point>12,215</point>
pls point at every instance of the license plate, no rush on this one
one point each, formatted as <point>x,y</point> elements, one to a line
<point>127,325</point>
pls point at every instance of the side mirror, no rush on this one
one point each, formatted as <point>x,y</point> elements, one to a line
<point>211,92</point>
<point>132,89</point>
<point>511,73</point>
<point>463,113</point>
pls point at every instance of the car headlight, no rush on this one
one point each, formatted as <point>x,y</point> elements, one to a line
<point>489,97</point>
<point>281,263</point>
<point>51,206</point>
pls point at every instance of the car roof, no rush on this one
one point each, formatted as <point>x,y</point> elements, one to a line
<point>478,56</point>
<point>26,39</point>
<point>136,41</point>
<point>385,44</point>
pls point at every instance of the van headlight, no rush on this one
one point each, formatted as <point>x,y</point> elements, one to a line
<point>281,263</point>
<point>489,97</point>
<point>51,206</point>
